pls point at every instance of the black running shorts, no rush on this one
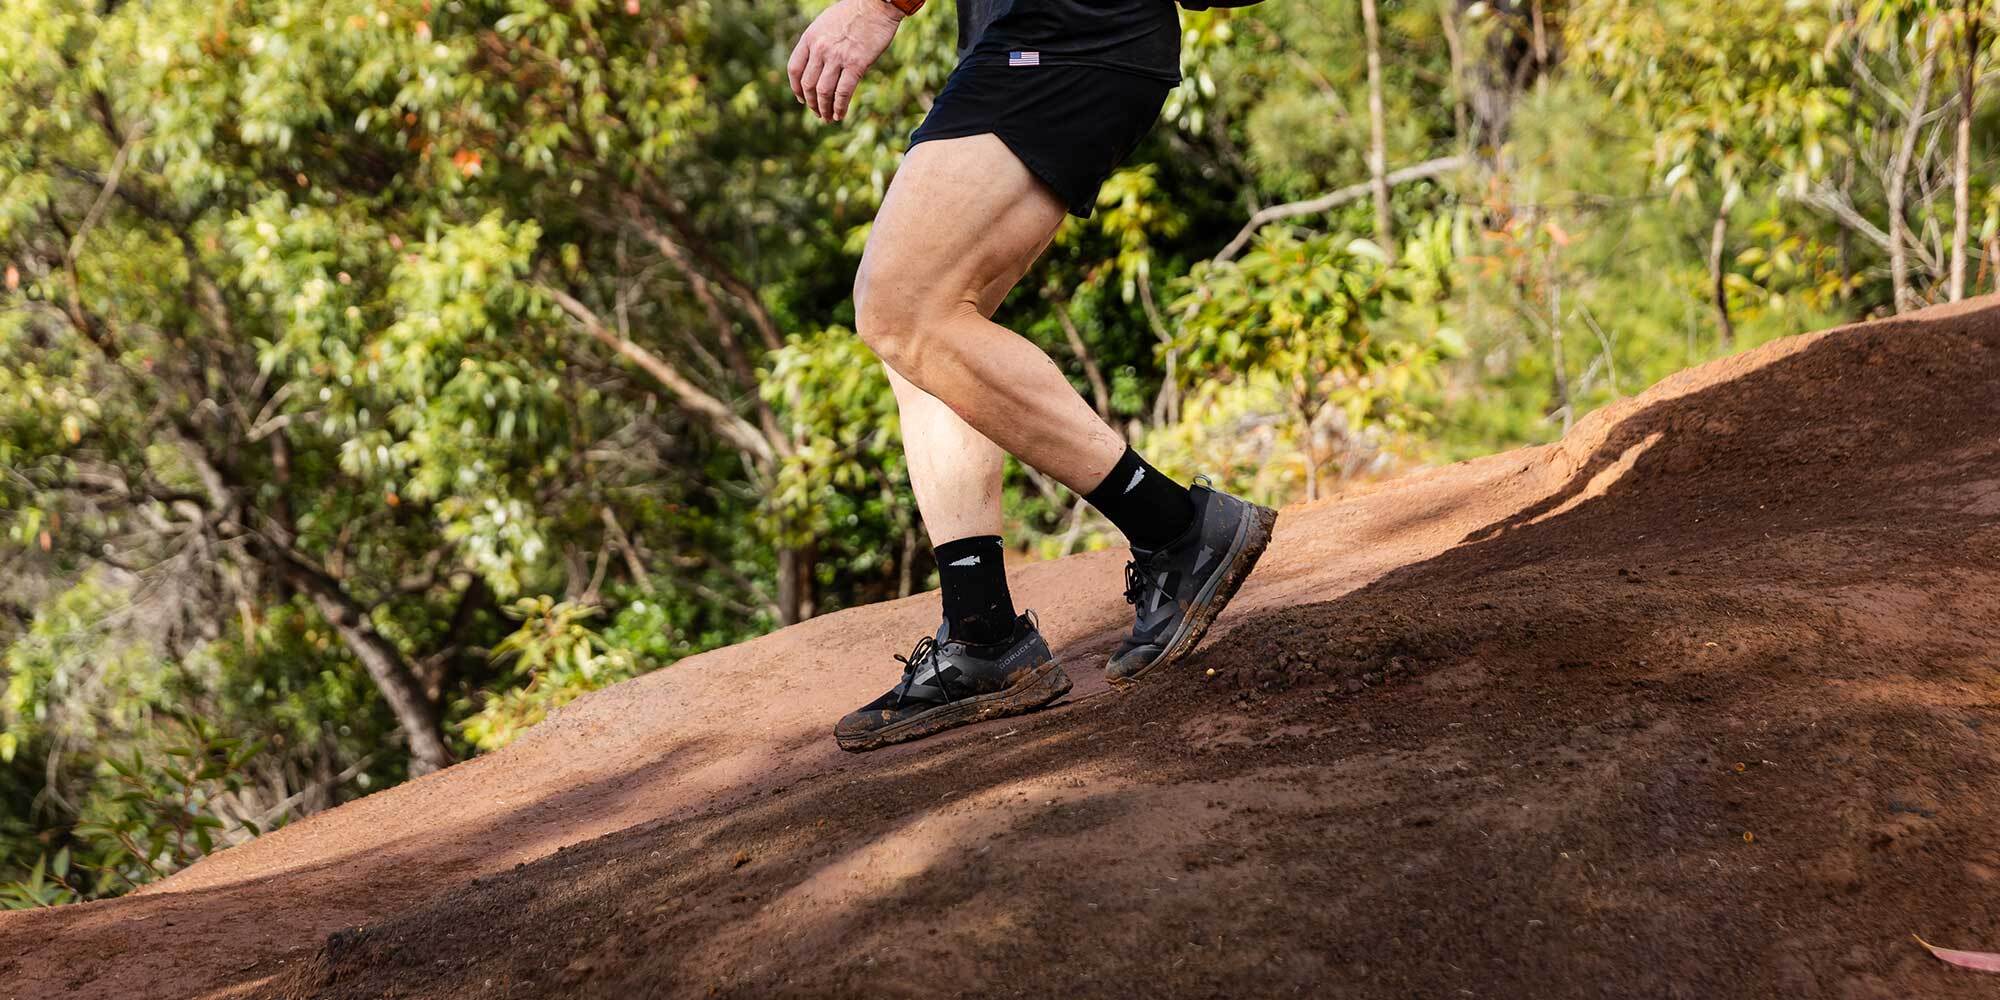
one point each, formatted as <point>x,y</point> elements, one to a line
<point>1071,125</point>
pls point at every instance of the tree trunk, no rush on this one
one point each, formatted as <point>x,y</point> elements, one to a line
<point>1503,61</point>
<point>1541,34</point>
<point>906,568</point>
<point>393,676</point>
<point>1100,391</point>
<point>1461,116</point>
<point>1961,171</point>
<point>795,583</point>
<point>1718,238</point>
<point>1556,356</point>
<point>1167,405</point>
<point>1378,157</point>
<point>1899,176</point>
<point>1308,443</point>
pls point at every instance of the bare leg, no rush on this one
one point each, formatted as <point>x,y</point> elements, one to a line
<point>963,221</point>
<point>954,470</point>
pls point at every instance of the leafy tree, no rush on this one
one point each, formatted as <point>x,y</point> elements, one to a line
<point>1739,97</point>
<point>1304,314</point>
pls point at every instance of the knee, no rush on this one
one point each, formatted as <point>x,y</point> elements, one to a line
<point>888,319</point>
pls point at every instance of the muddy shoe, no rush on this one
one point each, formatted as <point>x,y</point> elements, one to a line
<point>1177,590</point>
<point>948,683</point>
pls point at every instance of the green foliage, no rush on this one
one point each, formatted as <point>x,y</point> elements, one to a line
<point>158,819</point>
<point>1737,94</point>
<point>832,393</point>
<point>153,816</point>
<point>552,660</point>
<point>1305,314</point>
<point>46,884</point>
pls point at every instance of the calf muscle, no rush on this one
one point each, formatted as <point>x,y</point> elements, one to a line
<point>963,221</point>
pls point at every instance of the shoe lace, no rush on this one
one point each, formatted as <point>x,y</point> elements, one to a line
<point>926,650</point>
<point>1138,580</point>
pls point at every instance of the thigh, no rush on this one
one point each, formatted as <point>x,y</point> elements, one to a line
<point>964,219</point>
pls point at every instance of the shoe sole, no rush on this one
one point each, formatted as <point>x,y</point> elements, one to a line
<point>1048,683</point>
<point>1252,537</point>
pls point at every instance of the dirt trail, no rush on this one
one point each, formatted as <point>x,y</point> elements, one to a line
<point>1702,702</point>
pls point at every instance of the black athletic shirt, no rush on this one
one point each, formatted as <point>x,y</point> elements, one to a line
<point>1136,36</point>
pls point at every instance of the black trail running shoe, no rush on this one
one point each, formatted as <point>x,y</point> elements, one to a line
<point>948,683</point>
<point>1177,590</point>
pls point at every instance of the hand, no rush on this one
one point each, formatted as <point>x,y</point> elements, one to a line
<point>835,50</point>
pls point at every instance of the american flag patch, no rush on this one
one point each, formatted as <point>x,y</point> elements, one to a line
<point>1024,58</point>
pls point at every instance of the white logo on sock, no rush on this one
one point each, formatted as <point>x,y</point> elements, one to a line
<point>1137,474</point>
<point>967,561</point>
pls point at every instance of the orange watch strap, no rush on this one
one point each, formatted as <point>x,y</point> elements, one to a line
<point>908,7</point>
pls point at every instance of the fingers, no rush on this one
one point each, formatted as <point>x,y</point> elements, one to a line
<point>823,91</point>
<point>795,68</point>
<point>843,92</point>
<point>809,75</point>
<point>824,73</point>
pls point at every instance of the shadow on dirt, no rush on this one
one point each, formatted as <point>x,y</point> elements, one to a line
<point>1717,717</point>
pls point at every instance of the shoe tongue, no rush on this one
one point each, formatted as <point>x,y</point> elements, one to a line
<point>944,635</point>
<point>1184,539</point>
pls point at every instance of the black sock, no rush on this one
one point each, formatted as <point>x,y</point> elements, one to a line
<point>1149,508</point>
<point>972,575</point>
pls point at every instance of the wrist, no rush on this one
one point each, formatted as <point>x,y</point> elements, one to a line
<point>882,9</point>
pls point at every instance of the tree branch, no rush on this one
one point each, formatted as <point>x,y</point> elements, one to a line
<point>725,334</point>
<point>712,411</point>
<point>1847,215</point>
<point>1336,198</point>
<point>745,296</point>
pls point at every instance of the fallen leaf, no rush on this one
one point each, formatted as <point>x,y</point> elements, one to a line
<point>1983,961</point>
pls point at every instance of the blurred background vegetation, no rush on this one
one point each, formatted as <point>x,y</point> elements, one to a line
<point>376,376</point>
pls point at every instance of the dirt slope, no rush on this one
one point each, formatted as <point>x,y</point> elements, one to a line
<point>1702,702</point>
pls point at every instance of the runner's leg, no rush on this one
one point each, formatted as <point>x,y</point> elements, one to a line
<point>954,470</point>
<point>1008,668</point>
<point>964,218</point>
<point>962,222</point>
<point>956,475</point>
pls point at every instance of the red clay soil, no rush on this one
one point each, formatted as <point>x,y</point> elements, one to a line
<point>1702,702</point>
